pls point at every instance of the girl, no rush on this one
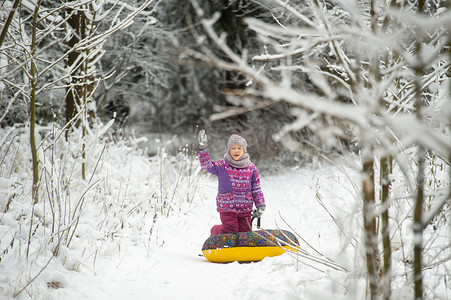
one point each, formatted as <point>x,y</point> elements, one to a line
<point>239,185</point>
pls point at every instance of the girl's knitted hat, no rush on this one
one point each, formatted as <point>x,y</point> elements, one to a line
<point>238,140</point>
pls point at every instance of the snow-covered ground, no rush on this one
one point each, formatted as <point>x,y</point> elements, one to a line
<point>143,223</point>
<point>173,269</point>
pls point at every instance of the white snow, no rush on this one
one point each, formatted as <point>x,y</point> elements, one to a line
<point>142,226</point>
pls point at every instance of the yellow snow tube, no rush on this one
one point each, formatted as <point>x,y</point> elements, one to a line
<point>248,246</point>
<point>243,254</point>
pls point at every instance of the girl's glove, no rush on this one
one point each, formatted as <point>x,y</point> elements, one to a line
<point>202,140</point>
<point>257,213</point>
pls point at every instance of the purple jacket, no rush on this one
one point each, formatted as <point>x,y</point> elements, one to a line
<point>238,188</point>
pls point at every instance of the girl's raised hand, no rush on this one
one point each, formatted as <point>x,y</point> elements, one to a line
<point>202,140</point>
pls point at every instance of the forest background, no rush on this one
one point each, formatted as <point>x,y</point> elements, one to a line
<point>302,80</point>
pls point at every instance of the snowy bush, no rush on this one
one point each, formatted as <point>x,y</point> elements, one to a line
<point>77,220</point>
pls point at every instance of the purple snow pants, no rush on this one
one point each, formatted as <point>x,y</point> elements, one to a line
<point>233,222</point>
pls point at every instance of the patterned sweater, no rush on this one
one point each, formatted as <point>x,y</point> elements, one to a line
<point>238,188</point>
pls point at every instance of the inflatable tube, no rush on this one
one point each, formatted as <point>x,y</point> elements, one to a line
<point>248,246</point>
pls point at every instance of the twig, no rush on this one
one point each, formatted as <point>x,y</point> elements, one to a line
<point>302,253</point>
<point>318,198</point>
<point>36,276</point>
<point>9,146</point>
<point>299,235</point>
<point>97,163</point>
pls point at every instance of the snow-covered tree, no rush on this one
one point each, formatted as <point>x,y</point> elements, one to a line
<point>369,72</point>
<point>49,52</point>
<point>48,46</point>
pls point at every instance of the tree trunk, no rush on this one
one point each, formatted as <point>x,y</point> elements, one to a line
<point>369,223</point>
<point>8,21</point>
<point>418,226</point>
<point>74,92</point>
<point>386,164</point>
<point>34,82</point>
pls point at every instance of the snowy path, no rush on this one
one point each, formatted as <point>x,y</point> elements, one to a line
<point>171,268</point>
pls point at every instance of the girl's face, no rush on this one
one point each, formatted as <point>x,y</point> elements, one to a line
<point>236,151</point>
